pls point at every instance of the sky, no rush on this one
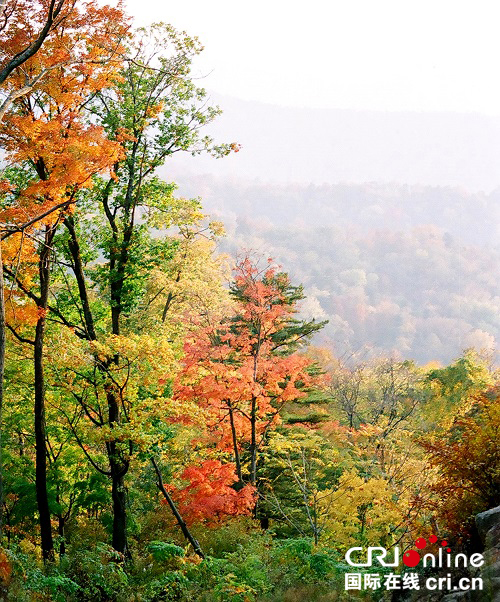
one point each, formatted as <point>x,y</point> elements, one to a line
<point>395,55</point>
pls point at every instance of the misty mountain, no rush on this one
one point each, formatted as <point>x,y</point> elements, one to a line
<point>281,144</point>
<point>408,268</point>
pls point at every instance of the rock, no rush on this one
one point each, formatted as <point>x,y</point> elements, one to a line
<point>486,521</point>
<point>491,571</point>
<point>488,526</point>
<point>458,597</point>
<point>492,538</point>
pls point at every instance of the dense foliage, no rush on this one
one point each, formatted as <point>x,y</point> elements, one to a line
<point>168,432</point>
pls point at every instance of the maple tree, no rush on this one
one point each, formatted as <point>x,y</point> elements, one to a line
<point>150,114</point>
<point>9,64</point>
<point>59,153</point>
<point>209,495</point>
<point>47,16</point>
<point>242,369</point>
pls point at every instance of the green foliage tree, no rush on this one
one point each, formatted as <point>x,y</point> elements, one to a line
<point>156,111</point>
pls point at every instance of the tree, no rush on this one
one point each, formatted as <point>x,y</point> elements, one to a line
<point>155,112</point>
<point>300,470</point>
<point>209,495</point>
<point>9,64</point>
<point>452,387</point>
<point>60,154</point>
<point>250,282</point>
<point>186,283</point>
<point>20,43</point>
<point>467,457</point>
<point>243,369</point>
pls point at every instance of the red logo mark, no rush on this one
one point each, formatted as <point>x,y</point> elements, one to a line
<point>411,558</point>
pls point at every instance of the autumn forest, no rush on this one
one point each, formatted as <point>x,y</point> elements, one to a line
<point>171,429</point>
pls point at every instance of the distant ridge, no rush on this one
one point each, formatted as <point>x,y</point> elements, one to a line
<point>411,270</point>
<point>283,144</point>
<point>390,220</point>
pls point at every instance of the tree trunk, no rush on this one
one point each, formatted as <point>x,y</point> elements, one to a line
<point>60,531</point>
<point>235,444</point>
<point>118,467</point>
<point>185,531</point>
<point>39,409</point>
<point>119,498</point>
<point>74,249</point>
<point>253,443</point>
<point>61,521</point>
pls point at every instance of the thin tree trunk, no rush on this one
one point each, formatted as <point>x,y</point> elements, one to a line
<point>253,443</point>
<point>39,409</point>
<point>315,524</point>
<point>60,531</point>
<point>169,300</point>
<point>253,419</point>
<point>74,248</point>
<point>61,521</point>
<point>118,469</point>
<point>186,532</point>
<point>119,498</point>
<point>235,443</point>
<point>3,588</point>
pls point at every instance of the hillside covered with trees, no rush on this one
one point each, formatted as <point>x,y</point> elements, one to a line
<point>168,431</point>
<point>410,270</point>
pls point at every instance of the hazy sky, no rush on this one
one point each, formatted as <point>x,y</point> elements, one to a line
<point>361,54</point>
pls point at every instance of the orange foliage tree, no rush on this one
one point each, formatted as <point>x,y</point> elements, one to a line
<point>243,369</point>
<point>56,151</point>
<point>18,43</point>
<point>45,129</point>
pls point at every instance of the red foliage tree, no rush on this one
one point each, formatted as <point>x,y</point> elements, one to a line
<point>209,495</point>
<point>241,369</point>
